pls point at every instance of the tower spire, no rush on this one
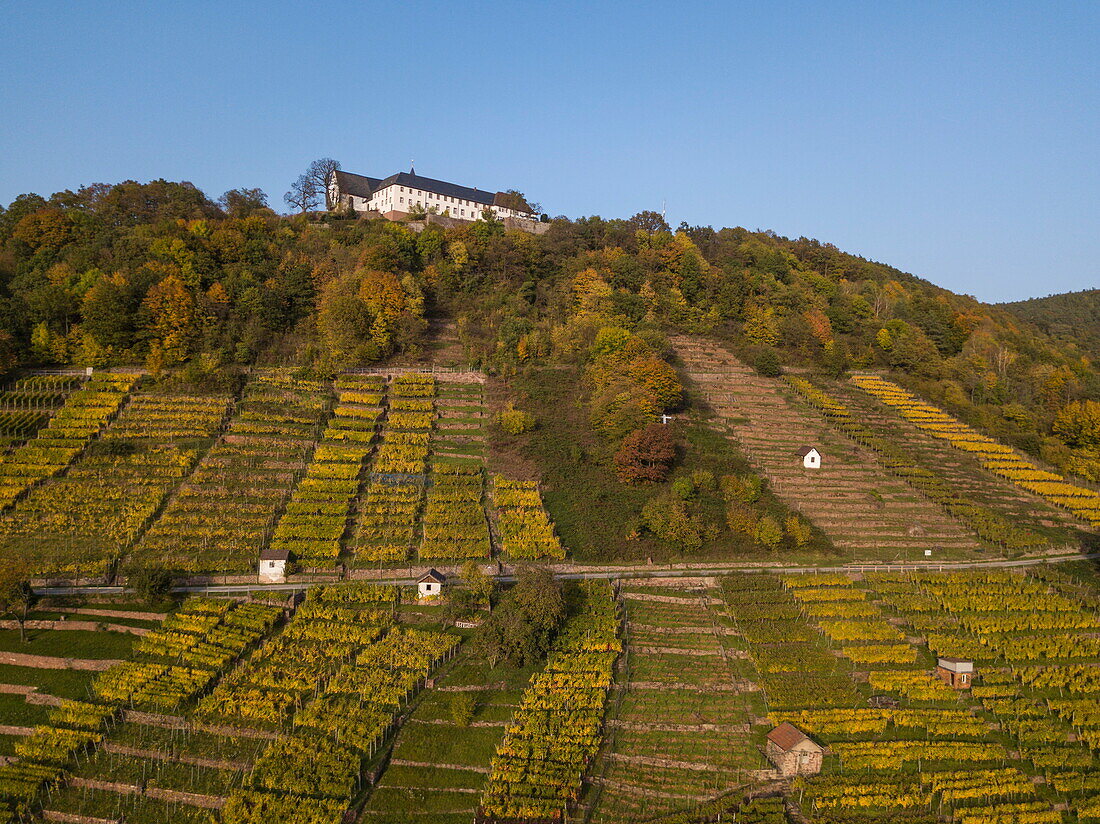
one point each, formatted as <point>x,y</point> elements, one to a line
<point>412,167</point>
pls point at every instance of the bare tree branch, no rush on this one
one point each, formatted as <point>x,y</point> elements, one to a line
<point>303,194</point>
<point>320,171</point>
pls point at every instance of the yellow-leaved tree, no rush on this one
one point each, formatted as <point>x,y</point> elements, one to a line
<point>761,325</point>
<point>1078,424</point>
<point>631,385</point>
<point>172,324</point>
<point>591,293</point>
<point>368,314</point>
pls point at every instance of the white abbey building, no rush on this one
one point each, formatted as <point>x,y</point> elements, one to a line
<point>399,194</point>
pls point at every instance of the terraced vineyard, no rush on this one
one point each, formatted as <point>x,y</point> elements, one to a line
<point>369,471</point>
<point>76,700</point>
<point>83,521</point>
<point>539,766</point>
<point>460,434</point>
<point>1006,754</point>
<point>224,513</point>
<point>962,470</point>
<point>442,756</point>
<point>501,742</point>
<point>55,446</point>
<point>992,523</point>
<point>385,470</point>
<point>390,506</point>
<point>28,403</point>
<point>353,702</point>
<point>220,709</point>
<point>685,709</point>
<point>994,457</point>
<point>850,662</point>
<point>224,708</point>
<point>315,521</point>
<point>426,496</point>
<point>862,508</point>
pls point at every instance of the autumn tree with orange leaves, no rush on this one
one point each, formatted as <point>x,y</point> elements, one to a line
<point>367,315</point>
<point>631,385</point>
<point>646,456</point>
<point>172,326</point>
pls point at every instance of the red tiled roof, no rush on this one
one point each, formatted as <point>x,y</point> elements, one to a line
<point>786,736</point>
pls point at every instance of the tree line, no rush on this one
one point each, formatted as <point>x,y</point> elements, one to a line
<point>161,275</point>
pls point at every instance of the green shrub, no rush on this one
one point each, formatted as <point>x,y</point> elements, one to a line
<point>798,530</point>
<point>703,480</point>
<point>667,517</point>
<point>743,488</point>
<point>462,708</point>
<point>768,532</point>
<point>767,363</point>
<point>515,421</point>
<point>683,487</point>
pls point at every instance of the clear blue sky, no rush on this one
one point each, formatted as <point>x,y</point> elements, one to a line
<point>958,141</point>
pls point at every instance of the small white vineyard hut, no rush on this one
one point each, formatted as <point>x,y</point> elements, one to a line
<point>430,584</point>
<point>811,458</point>
<point>273,564</point>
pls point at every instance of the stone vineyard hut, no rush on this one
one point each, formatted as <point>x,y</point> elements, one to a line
<point>792,751</point>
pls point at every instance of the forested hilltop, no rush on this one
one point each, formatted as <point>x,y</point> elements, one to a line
<point>161,275</point>
<point>1073,317</point>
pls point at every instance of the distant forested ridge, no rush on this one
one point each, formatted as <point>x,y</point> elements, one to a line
<point>1073,317</point>
<point>159,274</point>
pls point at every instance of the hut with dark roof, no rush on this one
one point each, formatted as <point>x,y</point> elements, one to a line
<point>430,584</point>
<point>811,458</point>
<point>273,566</point>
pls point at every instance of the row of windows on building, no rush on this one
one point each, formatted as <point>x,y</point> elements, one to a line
<point>388,194</point>
<point>380,201</point>
<point>385,206</point>
<point>457,212</point>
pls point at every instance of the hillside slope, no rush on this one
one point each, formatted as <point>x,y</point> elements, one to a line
<point>160,276</point>
<point>1073,317</point>
<point>861,508</point>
